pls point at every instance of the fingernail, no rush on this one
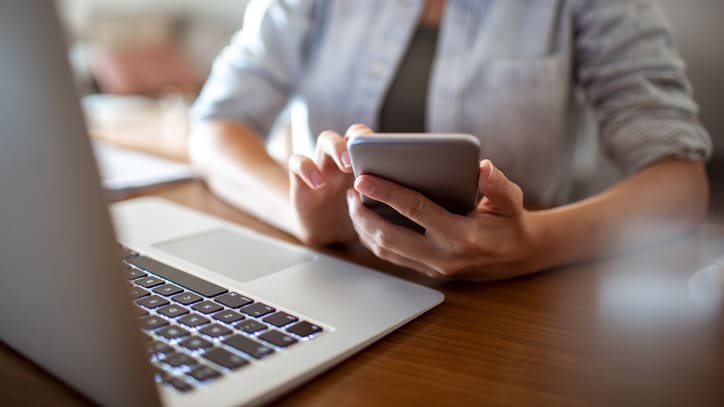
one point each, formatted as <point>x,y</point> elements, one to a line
<point>317,179</point>
<point>491,170</point>
<point>345,159</point>
<point>365,186</point>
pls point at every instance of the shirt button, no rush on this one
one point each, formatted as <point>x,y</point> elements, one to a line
<point>377,69</point>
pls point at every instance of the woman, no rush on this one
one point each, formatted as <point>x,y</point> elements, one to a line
<point>520,75</point>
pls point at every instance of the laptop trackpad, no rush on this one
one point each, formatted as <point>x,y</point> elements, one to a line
<point>237,256</point>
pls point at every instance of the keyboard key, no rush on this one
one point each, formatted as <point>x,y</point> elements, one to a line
<point>233,300</point>
<point>138,292</point>
<point>279,319</point>
<point>193,320</point>
<point>140,311</point>
<point>179,277</point>
<point>153,301</point>
<point>179,384</point>
<point>149,282</point>
<point>173,311</point>
<point>152,322</point>
<point>304,329</point>
<point>203,373</point>
<point>126,252</point>
<point>277,338</point>
<point>207,307</point>
<point>159,348</point>
<point>196,343</point>
<point>228,316</point>
<point>223,357</point>
<point>172,332</point>
<point>257,310</point>
<point>248,346</point>
<point>186,298</point>
<point>215,330</point>
<point>250,326</point>
<point>159,374</point>
<point>167,289</point>
<point>134,273</point>
<point>179,359</point>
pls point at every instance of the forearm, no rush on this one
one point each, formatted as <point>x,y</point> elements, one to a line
<point>667,198</point>
<point>237,167</point>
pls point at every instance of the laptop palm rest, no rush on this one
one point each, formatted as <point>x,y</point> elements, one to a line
<point>232,254</point>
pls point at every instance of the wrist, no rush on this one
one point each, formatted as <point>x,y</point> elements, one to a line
<point>537,241</point>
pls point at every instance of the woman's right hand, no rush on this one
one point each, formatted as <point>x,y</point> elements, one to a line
<point>319,187</point>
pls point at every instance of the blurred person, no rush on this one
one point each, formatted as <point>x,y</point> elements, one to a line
<point>518,74</point>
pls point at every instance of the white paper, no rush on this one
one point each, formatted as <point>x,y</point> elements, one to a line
<point>124,170</point>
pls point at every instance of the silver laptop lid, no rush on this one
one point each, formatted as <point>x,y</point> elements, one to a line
<point>62,298</point>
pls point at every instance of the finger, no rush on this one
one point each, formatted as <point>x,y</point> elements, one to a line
<point>357,130</point>
<point>392,237</point>
<point>371,240</point>
<point>395,258</point>
<point>333,145</point>
<point>501,195</point>
<point>407,202</point>
<point>306,170</point>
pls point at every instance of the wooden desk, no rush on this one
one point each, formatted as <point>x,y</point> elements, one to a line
<point>635,330</point>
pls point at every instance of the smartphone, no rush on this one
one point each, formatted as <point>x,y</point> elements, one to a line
<point>442,167</point>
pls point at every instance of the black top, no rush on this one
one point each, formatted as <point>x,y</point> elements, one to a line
<point>405,106</point>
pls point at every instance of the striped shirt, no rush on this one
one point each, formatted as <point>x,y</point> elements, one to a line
<point>529,78</point>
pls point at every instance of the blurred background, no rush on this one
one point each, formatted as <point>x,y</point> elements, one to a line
<point>139,65</point>
<point>176,39</point>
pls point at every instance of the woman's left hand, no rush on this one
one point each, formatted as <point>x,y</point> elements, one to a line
<point>495,241</point>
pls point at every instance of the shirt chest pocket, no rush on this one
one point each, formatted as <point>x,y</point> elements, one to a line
<point>520,108</point>
<point>515,86</point>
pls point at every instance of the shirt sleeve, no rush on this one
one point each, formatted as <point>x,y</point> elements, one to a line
<point>635,80</point>
<point>253,77</point>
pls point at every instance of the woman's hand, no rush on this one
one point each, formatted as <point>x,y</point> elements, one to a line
<point>318,190</point>
<point>495,241</point>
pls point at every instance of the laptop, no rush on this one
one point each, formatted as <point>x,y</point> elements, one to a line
<point>152,303</point>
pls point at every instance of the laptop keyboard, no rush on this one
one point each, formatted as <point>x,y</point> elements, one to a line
<point>198,331</point>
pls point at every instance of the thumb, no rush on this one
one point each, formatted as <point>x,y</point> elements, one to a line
<point>501,196</point>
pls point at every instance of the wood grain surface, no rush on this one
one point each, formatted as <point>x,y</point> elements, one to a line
<point>637,329</point>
